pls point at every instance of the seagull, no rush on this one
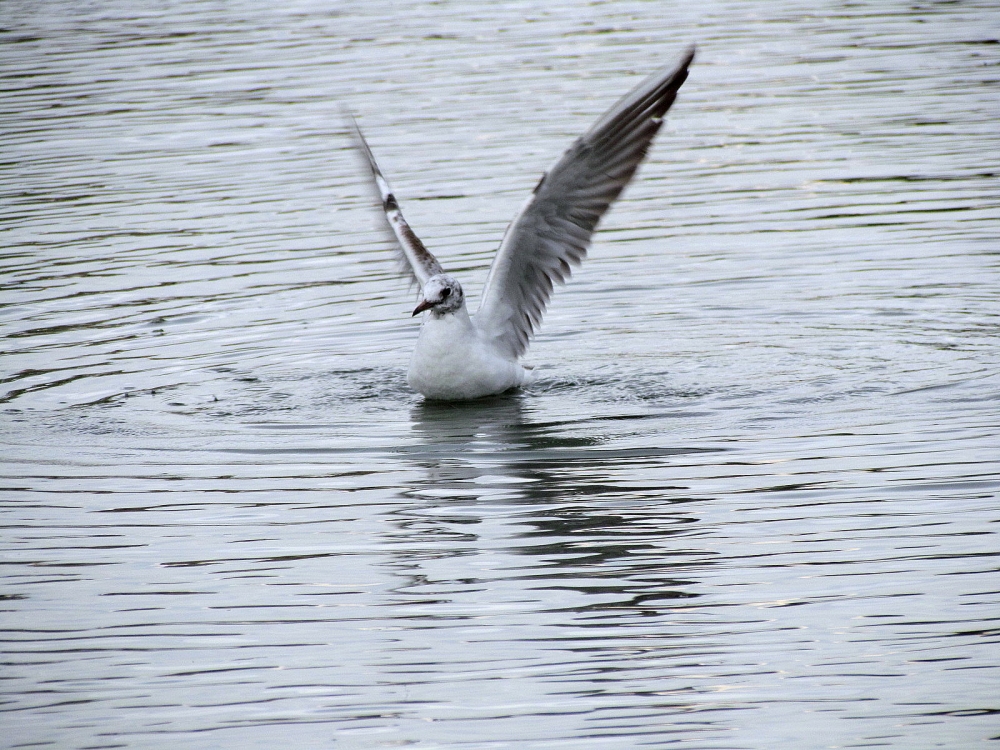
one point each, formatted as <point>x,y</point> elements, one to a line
<point>459,356</point>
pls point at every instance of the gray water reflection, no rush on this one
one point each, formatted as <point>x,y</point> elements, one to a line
<point>490,448</point>
<point>750,503</point>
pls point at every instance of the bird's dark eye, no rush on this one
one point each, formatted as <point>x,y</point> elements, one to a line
<point>445,293</point>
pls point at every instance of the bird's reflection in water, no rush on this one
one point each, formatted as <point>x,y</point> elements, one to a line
<point>489,439</point>
<point>597,519</point>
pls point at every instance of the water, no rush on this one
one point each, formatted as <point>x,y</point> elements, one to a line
<point>750,503</point>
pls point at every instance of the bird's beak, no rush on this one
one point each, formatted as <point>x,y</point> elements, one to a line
<point>424,305</point>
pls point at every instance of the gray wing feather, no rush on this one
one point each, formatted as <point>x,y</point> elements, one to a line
<point>551,233</point>
<point>416,258</point>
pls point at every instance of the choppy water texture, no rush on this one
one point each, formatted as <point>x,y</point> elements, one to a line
<point>750,503</point>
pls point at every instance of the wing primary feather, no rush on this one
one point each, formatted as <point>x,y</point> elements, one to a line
<point>551,232</point>
<point>417,259</point>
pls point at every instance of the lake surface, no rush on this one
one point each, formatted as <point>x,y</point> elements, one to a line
<point>751,502</point>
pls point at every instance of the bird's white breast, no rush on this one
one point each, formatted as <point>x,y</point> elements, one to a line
<point>452,361</point>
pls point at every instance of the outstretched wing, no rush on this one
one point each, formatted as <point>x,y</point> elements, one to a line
<point>417,258</point>
<point>553,229</point>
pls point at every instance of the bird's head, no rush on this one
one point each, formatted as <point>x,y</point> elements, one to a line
<point>441,295</point>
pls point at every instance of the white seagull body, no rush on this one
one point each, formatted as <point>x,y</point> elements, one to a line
<point>459,356</point>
